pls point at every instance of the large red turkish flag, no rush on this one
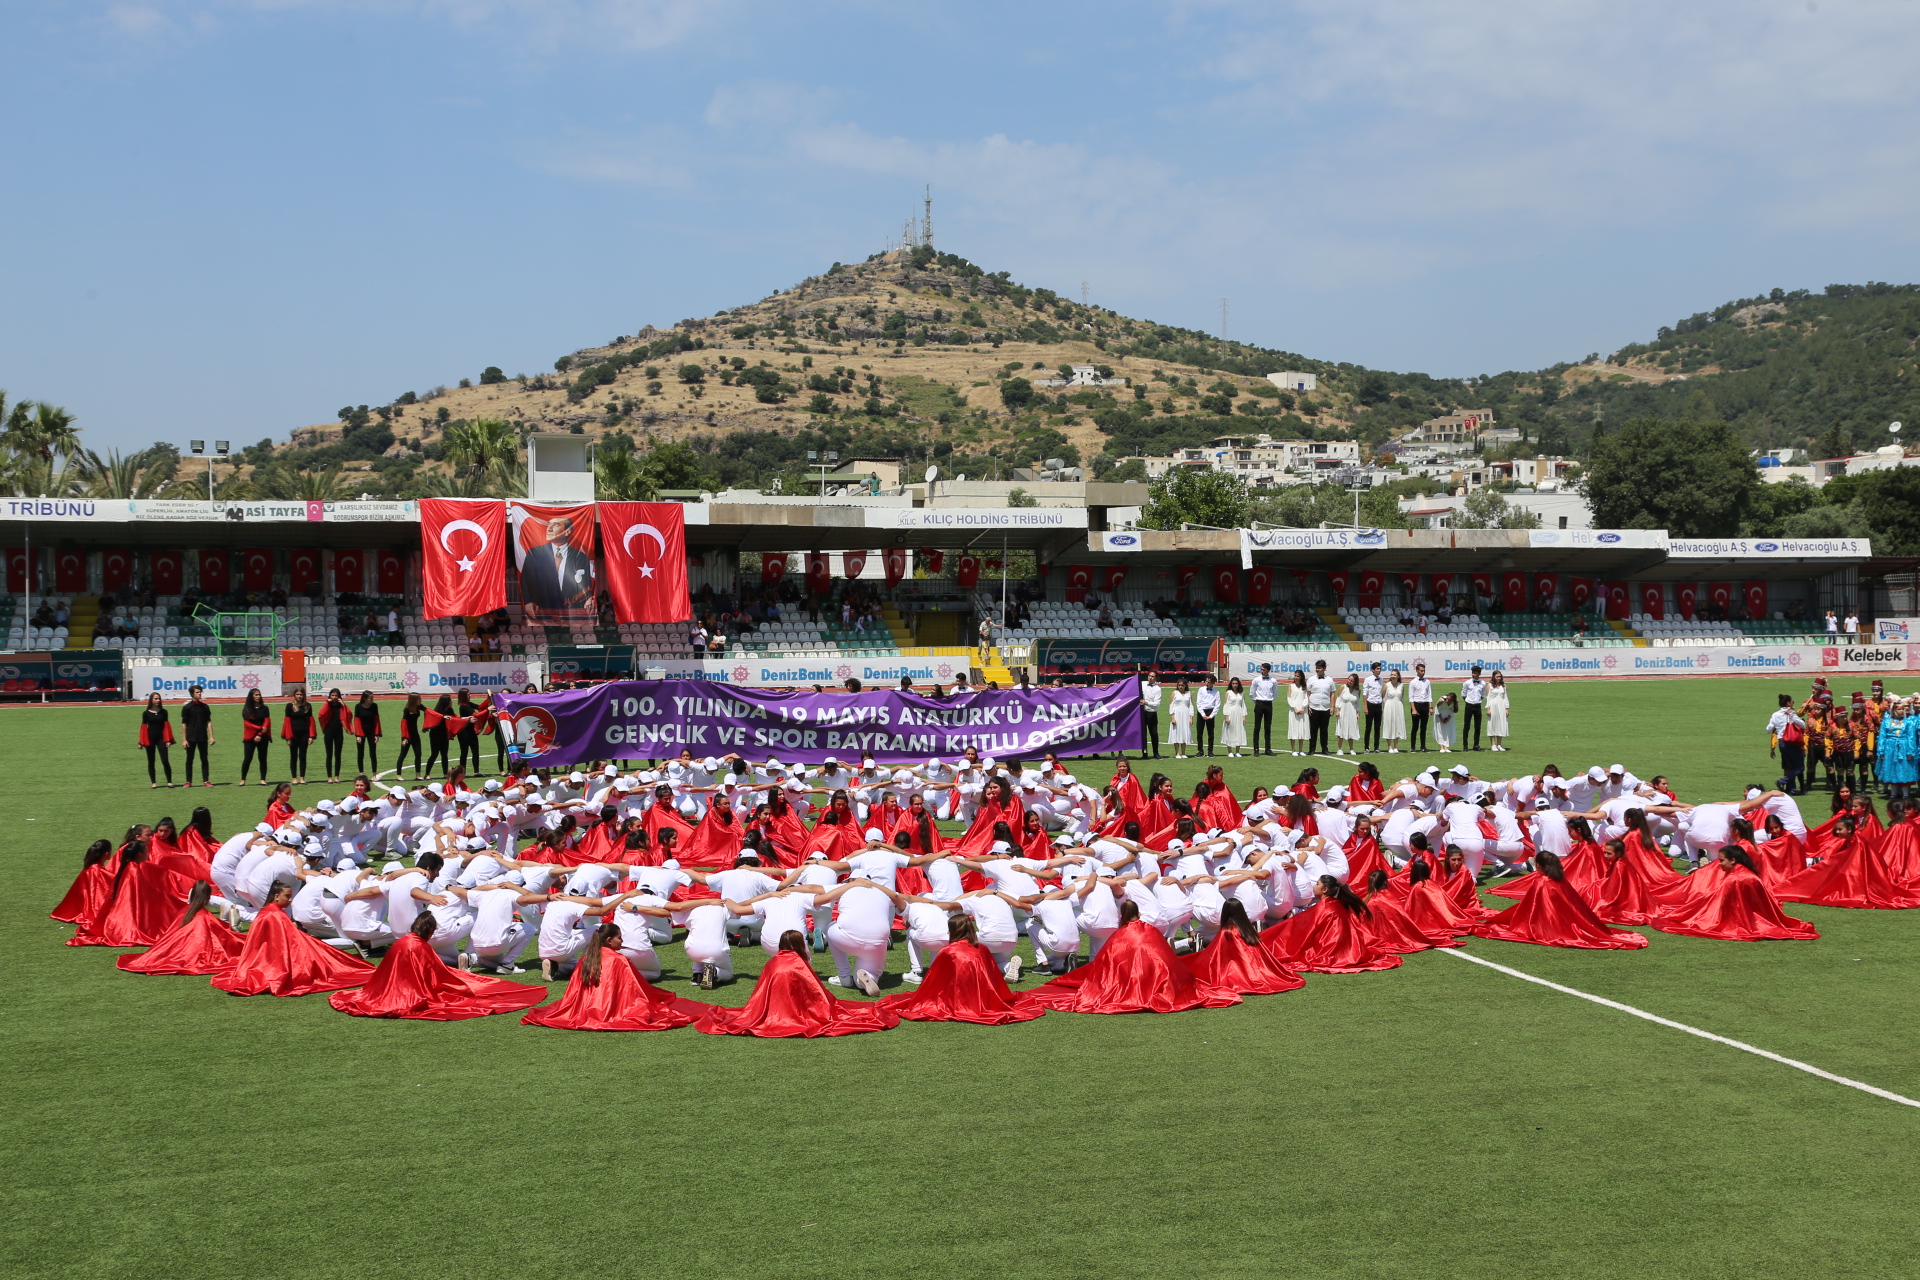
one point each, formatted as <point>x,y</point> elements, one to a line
<point>116,569</point>
<point>773,566</point>
<point>256,569</point>
<point>1260,585</point>
<point>853,563</point>
<point>819,572</point>
<point>1653,601</point>
<point>1372,583</point>
<point>1619,604</point>
<point>896,562</point>
<point>646,548</point>
<point>165,569</point>
<point>1513,592</point>
<point>350,570</point>
<point>934,560</point>
<point>304,572</point>
<point>390,574</point>
<point>214,576</point>
<point>70,570</point>
<point>1226,584</point>
<point>1685,596</point>
<point>968,574</point>
<point>1079,581</point>
<point>464,556</point>
<point>1115,575</point>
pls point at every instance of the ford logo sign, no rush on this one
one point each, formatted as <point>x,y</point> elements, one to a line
<point>1370,537</point>
<point>1121,540</point>
<point>1608,537</point>
<point>1766,546</point>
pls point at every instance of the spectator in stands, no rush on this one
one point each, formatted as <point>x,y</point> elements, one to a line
<point>102,628</point>
<point>60,614</point>
<point>277,598</point>
<point>43,616</point>
<point>394,638</point>
<point>1444,614</point>
<point>1106,618</point>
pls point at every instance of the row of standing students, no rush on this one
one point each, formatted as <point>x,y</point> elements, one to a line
<point>426,734</point>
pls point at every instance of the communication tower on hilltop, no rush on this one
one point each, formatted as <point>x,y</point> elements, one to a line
<point>1223,319</point>
<point>926,223</point>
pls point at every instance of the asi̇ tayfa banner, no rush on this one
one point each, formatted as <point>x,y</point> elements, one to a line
<point>631,718</point>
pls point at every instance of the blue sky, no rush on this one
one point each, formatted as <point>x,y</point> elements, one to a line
<point>228,218</point>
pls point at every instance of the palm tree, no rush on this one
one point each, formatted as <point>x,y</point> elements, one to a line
<point>47,432</point>
<point>619,476</point>
<point>487,447</point>
<point>308,486</point>
<point>438,484</point>
<point>31,476</point>
<point>120,476</point>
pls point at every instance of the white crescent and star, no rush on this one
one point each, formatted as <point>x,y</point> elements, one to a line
<point>465,564</point>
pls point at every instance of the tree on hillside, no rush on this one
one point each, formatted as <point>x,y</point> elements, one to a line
<point>123,476</point>
<point>1190,495</point>
<point>489,452</point>
<point>1016,393</point>
<point>1693,479</point>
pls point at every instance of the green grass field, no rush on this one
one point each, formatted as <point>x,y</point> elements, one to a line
<point>1441,1120</point>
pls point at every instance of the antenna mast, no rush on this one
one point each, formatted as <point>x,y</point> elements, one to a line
<point>926,223</point>
<point>1223,319</point>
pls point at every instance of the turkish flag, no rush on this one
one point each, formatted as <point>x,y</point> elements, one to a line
<point>646,550</point>
<point>1582,591</point>
<point>390,573</point>
<point>773,565</point>
<point>1115,575</point>
<point>1619,603</point>
<point>1338,578</point>
<point>1260,585</point>
<point>1756,592</point>
<point>1546,590</point>
<point>853,563</point>
<point>969,570</point>
<point>934,560</point>
<point>1226,584</point>
<point>1442,585</point>
<point>1299,576</point>
<point>819,572</point>
<point>70,570</point>
<point>256,569</point>
<point>214,575</point>
<point>165,570</point>
<point>305,572</point>
<point>1686,595</point>
<point>116,569</point>
<point>1410,586</point>
<point>895,560</point>
<point>1513,591</point>
<point>16,569</point>
<point>1185,575</point>
<point>1653,601</point>
<point>1720,595</point>
<point>463,569</point>
<point>1079,581</point>
<point>1372,582</point>
<point>350,570</point>
<point>1482,587</point>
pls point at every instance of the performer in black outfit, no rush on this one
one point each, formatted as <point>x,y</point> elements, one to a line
<point>410,735</point>
<point>469,736</point>
<point>196,726</point>
<point>437,736</point>
<point>156,735</point>
<point>366,715</point>
<point>297,727</point>
<point>333,733</point>
<point>256,731</point>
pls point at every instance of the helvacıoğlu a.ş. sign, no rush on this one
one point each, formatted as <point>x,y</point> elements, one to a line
<point>625,719</point>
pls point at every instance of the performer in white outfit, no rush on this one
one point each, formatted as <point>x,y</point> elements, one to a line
<point>1393,719</point>
<point>1179,722</point>
<point>1233,719</point>
<point>1299,728</point>
<point>1497,707</point>
<point>1346,729</point>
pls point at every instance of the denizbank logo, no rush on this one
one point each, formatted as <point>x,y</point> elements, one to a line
<point>1570,664</point>
<point>1662,664</point>
<point>1748,661</point>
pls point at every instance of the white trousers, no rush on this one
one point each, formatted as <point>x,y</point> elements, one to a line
<point>378,934</point>
<point>644,961</point>
<point>518,936</point>
<point>920,953</point>
<point>1049,946</point>
<point>1096,935</point>
<point>719,959</point>
<point>851,953</point>
<point>574,943</point>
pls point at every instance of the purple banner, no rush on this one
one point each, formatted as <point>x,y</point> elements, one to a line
<point>653,719</point>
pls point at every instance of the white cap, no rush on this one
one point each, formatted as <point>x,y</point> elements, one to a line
<point>1176,843</point>
<point>710,764</point>
<point>397,792</point>
<point>623,785</point>
<point>1066,780</point>
<point>473,844</point>
<point>773,762</point>
<point>493,784</point>
<point>326,806</point>
<point>1754,793</point>
<point>1618,768</point>
<point>437,789</point>
<point>902,775</point>
<point>391,867</point>
<point>1541,802</point>
<point>1596,774</point>
<point>1336,795</point>
<point>933,764</point>
<point>1461,770</point>
<point>1560,784</point>
<point>830,760</point>
<point>264,828</point>
<point>576,777</point>
<point>346,863</point>
<point>1001,846</point>
<point>350,805</point>
<point>313,846</point>
<point>687,806</point>
<point>875,834</point>
<point>611,771</point>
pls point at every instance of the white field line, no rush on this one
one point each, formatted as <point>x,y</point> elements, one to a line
<point>1692,1031</point>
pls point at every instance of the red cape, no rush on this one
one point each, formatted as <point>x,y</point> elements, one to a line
<point>1553,914</point>
<point>1622,896</point>
<point>279,959</point>
<point>660,816</point>
<point>790,1000</point>
<point>139,910</point>
<point>1231,963</point>
<point>620,1001</point>
<point>1430,910</point>
<point>963,984</point>
<point>1584,865</point>
<point>413,982</point>
<point>715,842</point>
<point>837,840</point>
<point>1655,866</point>
<point>1780,858</point>
<point>1851,875</point>
<point>979,838</point>
<point>1220,809</point>
<point>204,945</point>
<point>790,837</point>
<point>1900,850</point>
<point>1736,907</point>
<point>1363,859</point>
<point>1135,972</point>
<point>1327,938</point>
<point>1394,930</point>
<point>84,896</point>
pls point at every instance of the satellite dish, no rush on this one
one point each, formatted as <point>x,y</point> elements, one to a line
<point>933,473</point>
<point>1895,428</point>
<point>961,478</point>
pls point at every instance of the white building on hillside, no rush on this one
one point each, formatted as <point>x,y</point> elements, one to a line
<point>1264,460</point>
<point>1083,375</point>
<point>1294,381</point>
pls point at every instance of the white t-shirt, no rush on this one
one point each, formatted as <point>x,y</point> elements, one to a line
<point>1787,809</point>
<point>591,881</point>
<point>926,923</point>
<point>992,918</point>
<point>943,878</point>
<point>706,929</point>
<point>879,865</point>
<point>492,915</point>
<point>1550,833</point>
<point>363,915</point>
<point>262,876</point>
<point>558,925</point>
<point>661,881</point>
<point>1056,916</point>
<point>788,911</point>
<point>1098,910</point>
<point>1011,875</point>
<point>402,906</point>
<point>226,859</point>
<point>1319,692</point>
<point>866,914</point>
<point>741,883</point>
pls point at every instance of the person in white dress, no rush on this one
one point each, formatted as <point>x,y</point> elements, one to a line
<point>1298,726</point>
<point>1446,717</point>
<point>1180,720</point>
<point>1393,719</point>
<point>1233,719</point>
<point>1497,711</point>
<point>1346,724</point>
